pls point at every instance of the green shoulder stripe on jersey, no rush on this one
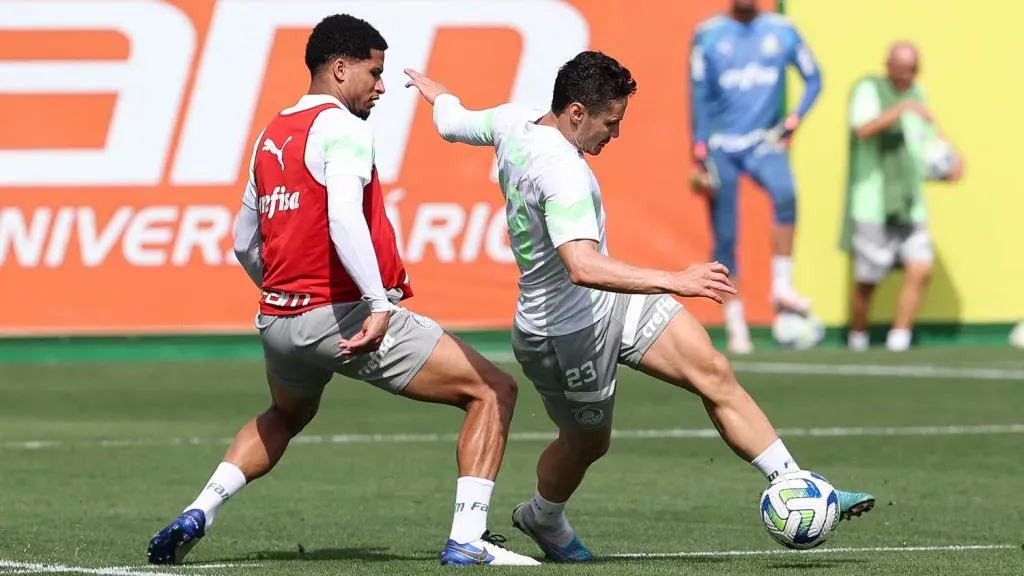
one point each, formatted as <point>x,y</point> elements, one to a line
<point>563,216</point>
<point>488,125</point>
<point>347,145</point>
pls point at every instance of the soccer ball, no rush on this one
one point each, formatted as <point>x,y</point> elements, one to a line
<point>800,331</point>
<point>800,510</point>
<point>1017,336</point>
<point>939,159</point>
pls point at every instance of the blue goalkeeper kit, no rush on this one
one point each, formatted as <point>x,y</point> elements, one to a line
<point>737,74</point>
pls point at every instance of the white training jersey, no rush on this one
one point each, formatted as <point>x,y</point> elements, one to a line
<point>551,197</point>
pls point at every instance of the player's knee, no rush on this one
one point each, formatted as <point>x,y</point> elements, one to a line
<point>294,419</point>
<point>784,201</point>
<point>506,389</point>
<point>715,379</point>
<point>590,448</point>
<point>918,272</point>
<point>497,388</point>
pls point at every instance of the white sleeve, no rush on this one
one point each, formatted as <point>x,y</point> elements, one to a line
<point>457,124</point>
<point>346,144</point>
<point>567,202</point>
<point>247,240</point>
<point>347,147</point>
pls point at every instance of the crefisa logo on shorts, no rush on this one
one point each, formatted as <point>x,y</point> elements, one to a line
<point>589,416</point>
<point>423,321</point>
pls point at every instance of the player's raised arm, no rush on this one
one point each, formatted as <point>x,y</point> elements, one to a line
<point>454,122</point>
<point>571,220</point>
<point>348,165</point>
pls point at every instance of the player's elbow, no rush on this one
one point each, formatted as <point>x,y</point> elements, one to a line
<point>241,250</point>
<point>864,133</point>
<point>582,273</point>
<point>578,276</point>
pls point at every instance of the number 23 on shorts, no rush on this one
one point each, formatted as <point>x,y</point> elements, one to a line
<point>576,377</point>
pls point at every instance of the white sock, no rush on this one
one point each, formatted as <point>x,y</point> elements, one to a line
<point>735,320</point>
<point>226,480</point>
<point>775,460</point>
<point>898,340</point>
<point>782,275</point>
<point>472,498</point>
<point>550,517</point>
<point>858,341</point>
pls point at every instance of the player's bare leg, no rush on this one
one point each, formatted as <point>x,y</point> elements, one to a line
<point>860,306</point>
<point>684,356</point>
<point>257,448</point>
<point>457,375</point>
<point>560,471</point>
<point>915,283</point>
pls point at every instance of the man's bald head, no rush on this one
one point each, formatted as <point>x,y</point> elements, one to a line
<point>902,65</point>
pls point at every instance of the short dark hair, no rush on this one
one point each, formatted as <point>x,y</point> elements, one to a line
<point>593,79</point>
<point>341,35</point>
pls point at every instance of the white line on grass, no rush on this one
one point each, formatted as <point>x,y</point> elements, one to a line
<point>8,567</point>
<point>778,551</point>
<point>930,371</point>
<point>910,371</point>
<point>681,433</point>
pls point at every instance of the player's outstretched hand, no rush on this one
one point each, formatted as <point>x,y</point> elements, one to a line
<point>709,280</point>
<point>369,337</point>
<point>428,88</point>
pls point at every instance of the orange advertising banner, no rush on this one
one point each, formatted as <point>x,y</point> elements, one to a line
<point>126,126</point>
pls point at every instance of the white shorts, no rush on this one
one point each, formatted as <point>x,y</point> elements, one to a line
<point>878,247</point>
<point>302,352</point>
<point>576,373</point>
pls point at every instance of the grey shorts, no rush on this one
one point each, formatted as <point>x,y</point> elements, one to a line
<point>877,248</point>
<point>303,354</point>
<point>576,373</point>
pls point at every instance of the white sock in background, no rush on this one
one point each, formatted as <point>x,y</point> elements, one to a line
<point>735,320</point>
<point>898,340</point>
<point>782,275</point>
<point>858,341</point>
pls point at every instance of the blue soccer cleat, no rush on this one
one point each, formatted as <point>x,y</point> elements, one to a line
<point>489,549</point>
<point>170,545</point>
<point>854,503</point>
<point>574,552</point>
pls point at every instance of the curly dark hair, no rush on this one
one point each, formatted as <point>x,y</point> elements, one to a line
<point>341,35</point>
<point>593,79</point>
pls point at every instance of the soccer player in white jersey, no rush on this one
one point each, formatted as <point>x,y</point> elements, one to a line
<point>581,312</point>
<point>314,237</point>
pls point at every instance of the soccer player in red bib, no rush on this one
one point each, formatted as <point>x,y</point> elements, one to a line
<point>313,236</point>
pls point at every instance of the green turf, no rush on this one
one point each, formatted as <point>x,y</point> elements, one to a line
<point>385,507</point>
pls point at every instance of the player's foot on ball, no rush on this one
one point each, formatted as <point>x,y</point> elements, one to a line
<point>489,549</point>
<point>575,551</point>
<point>791,301</point>
<point>170,545</point>
<point>854,503</point>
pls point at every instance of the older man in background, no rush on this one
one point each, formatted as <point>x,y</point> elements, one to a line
<point>891,129</point>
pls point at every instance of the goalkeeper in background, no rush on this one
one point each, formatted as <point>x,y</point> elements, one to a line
<point>737,70</point>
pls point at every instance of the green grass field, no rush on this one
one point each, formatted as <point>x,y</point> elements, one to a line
<point>95,457</point>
